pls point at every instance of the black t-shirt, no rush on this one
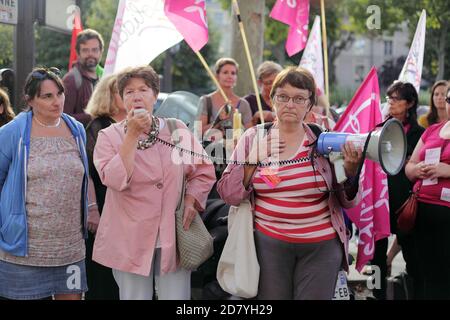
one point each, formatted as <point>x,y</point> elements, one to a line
<point>251,99</point>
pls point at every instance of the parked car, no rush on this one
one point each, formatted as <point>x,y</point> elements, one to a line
<point>182,105</point>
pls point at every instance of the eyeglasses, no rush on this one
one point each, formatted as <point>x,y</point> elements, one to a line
<point>447,100</point>
<point>41,74</point>
<point>87,50</point>
<point>298,100</point>
<point>267,83</point>
<point>393,99</point>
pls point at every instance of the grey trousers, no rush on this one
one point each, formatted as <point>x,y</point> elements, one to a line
<point>297,271</point>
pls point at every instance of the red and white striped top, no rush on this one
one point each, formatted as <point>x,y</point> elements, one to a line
<point>296,210</point>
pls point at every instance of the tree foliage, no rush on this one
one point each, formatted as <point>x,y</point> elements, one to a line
<point>6,46</point>
<point>393,12</point>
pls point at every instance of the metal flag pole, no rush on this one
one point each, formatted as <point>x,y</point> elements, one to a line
<point>212,76</point>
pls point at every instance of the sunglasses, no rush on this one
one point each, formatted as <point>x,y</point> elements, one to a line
<point>447,100</point>
<point>42,74</point>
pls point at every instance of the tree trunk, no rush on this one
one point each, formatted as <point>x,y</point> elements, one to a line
<point>441,54</point>
<point>252,15</point>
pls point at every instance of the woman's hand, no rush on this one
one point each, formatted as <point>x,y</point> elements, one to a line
<point>434,171</point>
<point>189,211</point>
<point>93,218</point>
<point>420,171</point>
<point>138,124</point>
<point>267,116</point>
<point>352,159</point>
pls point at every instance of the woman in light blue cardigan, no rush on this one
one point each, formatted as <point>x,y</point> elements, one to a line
<point>43,208</point>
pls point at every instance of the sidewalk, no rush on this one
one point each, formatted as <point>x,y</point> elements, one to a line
<point>359,281</point>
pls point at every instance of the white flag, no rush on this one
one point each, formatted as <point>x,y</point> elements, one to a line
<point>412,69</point>
<point>312,59</point>
<point>141,33</point>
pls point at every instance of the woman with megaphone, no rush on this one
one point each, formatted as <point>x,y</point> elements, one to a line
<point>429,169</point>
<point>301,238</point>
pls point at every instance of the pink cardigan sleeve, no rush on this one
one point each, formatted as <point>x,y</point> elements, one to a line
<point>109,164</point>
<point>230,187</point>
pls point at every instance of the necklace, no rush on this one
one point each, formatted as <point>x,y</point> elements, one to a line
<point>48,125</point>
<point>152,135</point>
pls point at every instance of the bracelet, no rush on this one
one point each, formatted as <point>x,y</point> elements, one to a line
<point>92,204</point>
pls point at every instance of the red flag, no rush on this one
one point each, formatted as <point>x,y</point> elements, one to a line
<point>294,13</point>
<point>189,17</point>
<point>77,28</point>
<point>371,217</point>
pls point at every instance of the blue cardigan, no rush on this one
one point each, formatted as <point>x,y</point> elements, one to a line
<point>14,153</point>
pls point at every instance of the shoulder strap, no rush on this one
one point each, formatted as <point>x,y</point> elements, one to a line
<point>209,106</point>
<point>172,124</point>
<point>78,78</point>
<point>266,127</point>
<point>317,130</point>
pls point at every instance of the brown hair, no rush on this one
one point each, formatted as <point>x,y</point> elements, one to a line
<point>297,77</point>
<point>146,73</point>
<point>432,115</point>
<point>8,114</point>
<point>86,35</point>
<point>224,61</point>
<point>102,102</point>
<point>34,81</point>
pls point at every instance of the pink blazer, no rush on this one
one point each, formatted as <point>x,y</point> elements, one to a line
<point>232,190</point>
<point>139,209</point>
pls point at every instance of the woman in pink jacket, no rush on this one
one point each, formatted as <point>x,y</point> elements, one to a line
<point>136,234</point>
<point>301,239</point>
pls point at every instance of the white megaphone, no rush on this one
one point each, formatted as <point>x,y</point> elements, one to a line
<point>387,146</point>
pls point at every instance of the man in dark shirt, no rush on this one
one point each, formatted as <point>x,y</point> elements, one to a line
<point>81,80</point>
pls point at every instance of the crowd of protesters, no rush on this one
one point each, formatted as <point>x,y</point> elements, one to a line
<point>86,189</point>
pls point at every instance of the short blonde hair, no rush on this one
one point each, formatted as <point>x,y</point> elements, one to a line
<point>268,68</point>
<point>103,102</point>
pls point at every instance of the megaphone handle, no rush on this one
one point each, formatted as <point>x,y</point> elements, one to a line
<point>338,163</point>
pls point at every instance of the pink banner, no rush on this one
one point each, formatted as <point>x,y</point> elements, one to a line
<point>371,217</point>
<point>294,13</point>
<point>189,17</point>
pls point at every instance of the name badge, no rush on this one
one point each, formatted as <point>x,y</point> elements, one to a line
<point>432,156</point>
<point>445,194</point>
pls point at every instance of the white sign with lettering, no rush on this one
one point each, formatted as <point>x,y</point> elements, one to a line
<point>8,11</point>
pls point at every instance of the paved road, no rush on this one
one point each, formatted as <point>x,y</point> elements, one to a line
<point>358,281</point>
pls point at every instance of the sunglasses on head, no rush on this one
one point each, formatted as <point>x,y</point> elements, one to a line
<point>41,74</point>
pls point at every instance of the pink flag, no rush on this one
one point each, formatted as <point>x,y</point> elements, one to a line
<point>294,13</point>
<point>189,17</point>
<point>371,217</point>
<point>141,32</point>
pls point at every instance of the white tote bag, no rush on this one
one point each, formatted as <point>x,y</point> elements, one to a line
<point>238,268</point>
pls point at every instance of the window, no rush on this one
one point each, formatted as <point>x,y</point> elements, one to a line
<point>359,73</point>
